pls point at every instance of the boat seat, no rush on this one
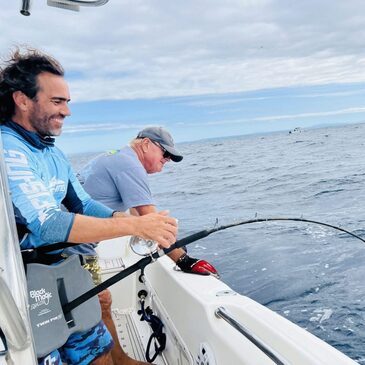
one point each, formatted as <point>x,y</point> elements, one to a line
<point>50,287</point>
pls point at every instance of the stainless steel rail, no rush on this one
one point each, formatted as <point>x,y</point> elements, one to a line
<point>81,2</point>
<point>221,312</point>
<point>66,4</point>
<point>14,318</point>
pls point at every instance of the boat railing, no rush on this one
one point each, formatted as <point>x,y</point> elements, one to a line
<point>65,4</point>
<point>222,312</point>
<point>14,316</point>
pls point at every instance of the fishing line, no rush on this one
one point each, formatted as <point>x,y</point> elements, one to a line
<point>197,236</point>
<point>141,264</point>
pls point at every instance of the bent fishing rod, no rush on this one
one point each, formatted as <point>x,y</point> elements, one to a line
<point>141,264</point>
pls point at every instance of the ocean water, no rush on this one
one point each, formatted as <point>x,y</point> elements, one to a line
<point>310,274</point>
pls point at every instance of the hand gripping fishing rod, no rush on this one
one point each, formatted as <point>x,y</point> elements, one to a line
<point>141,264</point>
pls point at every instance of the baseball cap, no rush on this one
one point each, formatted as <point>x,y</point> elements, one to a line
<point>163,137</point>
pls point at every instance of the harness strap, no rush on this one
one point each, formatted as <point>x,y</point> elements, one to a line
<point>55,247</point>
<point>23,230</point>
<point>3,340</point>
<point>34,257</point>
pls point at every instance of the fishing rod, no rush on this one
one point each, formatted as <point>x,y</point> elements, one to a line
<point>141,264</point>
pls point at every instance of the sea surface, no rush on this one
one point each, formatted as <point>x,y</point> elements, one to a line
<point>310,274</point>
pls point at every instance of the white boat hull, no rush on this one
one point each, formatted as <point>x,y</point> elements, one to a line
<point>188,304</point>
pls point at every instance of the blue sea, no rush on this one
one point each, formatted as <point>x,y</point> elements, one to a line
<point>310,274</point>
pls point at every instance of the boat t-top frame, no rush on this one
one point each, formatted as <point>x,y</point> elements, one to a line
<point>64,4</point>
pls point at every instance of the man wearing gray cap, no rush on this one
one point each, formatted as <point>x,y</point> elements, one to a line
<point>119,179</point>
<point>164,139</point>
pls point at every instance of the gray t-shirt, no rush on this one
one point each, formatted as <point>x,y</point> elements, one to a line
<point>118,180</point>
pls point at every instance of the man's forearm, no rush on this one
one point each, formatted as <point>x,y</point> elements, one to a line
<point>156,226</point>
<point>91,229</point>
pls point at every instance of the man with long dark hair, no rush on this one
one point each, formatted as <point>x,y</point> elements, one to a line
<point>34,103</point>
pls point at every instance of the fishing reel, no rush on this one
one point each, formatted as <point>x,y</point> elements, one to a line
<point>142,247</point>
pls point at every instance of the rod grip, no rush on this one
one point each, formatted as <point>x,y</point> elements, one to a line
<point>189,239</point>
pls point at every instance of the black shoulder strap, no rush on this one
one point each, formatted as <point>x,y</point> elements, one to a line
<point>4,351</point>
<point>22,230</point>
<point>54,247</point>
<point>34,257</point>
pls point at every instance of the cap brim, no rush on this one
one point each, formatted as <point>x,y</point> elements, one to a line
<point>175,155</point>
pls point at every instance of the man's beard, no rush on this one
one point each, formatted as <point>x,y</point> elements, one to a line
<point>43,125</point>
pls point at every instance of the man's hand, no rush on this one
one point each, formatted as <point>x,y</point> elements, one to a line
<point>195,266</point>
<point>157,227</point>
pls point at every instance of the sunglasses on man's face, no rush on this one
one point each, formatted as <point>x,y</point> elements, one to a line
<point>165,153</point>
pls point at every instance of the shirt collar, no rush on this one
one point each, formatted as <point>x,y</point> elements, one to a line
<point>33,138</point>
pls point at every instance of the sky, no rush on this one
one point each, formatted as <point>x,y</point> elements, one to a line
<point>200,68</point>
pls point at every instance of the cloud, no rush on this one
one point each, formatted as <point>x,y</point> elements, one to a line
<point>98,127</point>
<point>91,128</point>
<point>313,114</point>
<point>132,49</point>
<point>272,118</point>
<point>216,100</point>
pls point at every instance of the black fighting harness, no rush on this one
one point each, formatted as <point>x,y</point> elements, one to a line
<point>52,286</point>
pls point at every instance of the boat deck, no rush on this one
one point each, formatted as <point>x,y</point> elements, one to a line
<point>132,334</point>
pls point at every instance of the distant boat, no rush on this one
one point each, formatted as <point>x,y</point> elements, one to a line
<point>296,130</point>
